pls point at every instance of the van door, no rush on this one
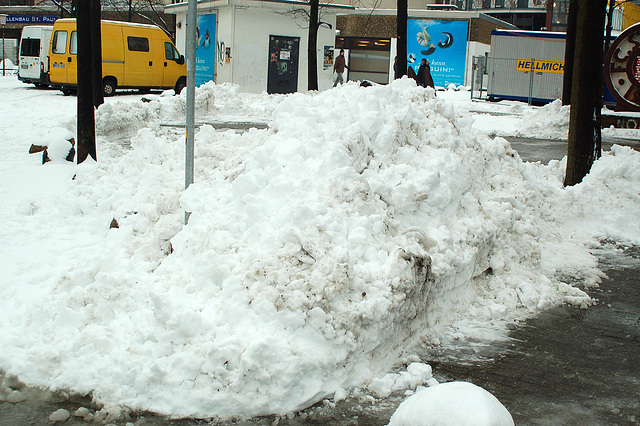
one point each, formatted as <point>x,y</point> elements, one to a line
<point>138,61</point>
<point>159,61</point>
<point>112,52</point>
<point>72,69</point>
<point>29,57</point>
<point>59,63</point>
<point>173,65</point>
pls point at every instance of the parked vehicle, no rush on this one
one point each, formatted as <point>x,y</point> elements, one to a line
<point>33,59</point>
<point>133,56</point>
<point>528,66</point>
<point>525,65</point>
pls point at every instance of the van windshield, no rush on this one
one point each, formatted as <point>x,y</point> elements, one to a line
<point>59,43</point>
<point>30,47</point>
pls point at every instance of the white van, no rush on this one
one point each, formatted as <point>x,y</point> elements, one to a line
<point>34,55</point>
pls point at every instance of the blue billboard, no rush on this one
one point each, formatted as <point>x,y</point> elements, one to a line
<point>205,48</point>
<point>443,44</point>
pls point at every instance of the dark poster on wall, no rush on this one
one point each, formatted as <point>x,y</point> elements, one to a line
<point>283,64</point>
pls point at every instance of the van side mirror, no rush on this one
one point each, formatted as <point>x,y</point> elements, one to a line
<point>180,60</point>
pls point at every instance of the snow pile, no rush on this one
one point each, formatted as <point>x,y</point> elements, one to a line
<point>316,251</point>
<point>126,118</point>
<point>453,403</point>
<point>416,375</point>
<point>606,201</point>
<point>230,102</point>
<point>550,121</point>
<point>8,66</point>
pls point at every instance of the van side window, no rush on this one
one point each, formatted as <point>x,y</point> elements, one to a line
<point>138,44</point>
<point>170,51</point>
<point>73,43</point>
<point>30,47</point>
<point>59,43</point>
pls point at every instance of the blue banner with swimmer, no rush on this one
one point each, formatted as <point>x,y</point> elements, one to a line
<point>205,48</point>
<point>443,44</point>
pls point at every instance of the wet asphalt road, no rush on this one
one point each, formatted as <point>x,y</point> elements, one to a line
<point>544,150</point>
<point>569,366</point>
<point>566,366</point>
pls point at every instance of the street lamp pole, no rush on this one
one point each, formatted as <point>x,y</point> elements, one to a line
<point>3,21</point>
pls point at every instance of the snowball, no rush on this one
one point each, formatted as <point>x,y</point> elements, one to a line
<point>58,150</point>
<point>60,415</point>
<point>339,395</point>
<point>16,397</point>
<point>453,403</point>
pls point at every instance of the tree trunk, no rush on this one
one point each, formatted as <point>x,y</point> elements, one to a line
<point>569,50</point>
<point>96,54</point>
<point>86,117</point>
<point>584,125</point>
<point>401,32</point>
<point>312,60</point>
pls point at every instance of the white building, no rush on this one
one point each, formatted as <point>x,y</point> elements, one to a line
<point>259,45</point>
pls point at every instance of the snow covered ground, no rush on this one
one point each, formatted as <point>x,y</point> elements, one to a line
<point>318,250</point>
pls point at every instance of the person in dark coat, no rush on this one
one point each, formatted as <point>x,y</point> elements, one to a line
<point>338,66</point>
<point>412,74</point>
<point>424,74</point>
<point>395,68</point>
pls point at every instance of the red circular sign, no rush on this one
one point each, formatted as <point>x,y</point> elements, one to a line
<point>622,69</point>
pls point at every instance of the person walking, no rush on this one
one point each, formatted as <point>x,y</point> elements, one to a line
<point>424,74</point>
<point>338,66</point>
<point>395,68</point>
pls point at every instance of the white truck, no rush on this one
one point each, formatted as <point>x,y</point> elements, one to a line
<point>34,55</point>
<point>525,66</point>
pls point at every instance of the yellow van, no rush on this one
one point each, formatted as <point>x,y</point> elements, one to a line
<point>133,56</point>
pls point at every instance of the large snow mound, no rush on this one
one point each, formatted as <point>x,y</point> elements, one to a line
<point>316,250</point>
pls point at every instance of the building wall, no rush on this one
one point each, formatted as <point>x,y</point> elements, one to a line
<point>246,29</point>
<point>226,39</point>
<point>384,26</point>
<point>367,26</point>
<point>384,4</point>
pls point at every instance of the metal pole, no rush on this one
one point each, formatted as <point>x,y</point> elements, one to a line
<point>533,61</point>
<point>473,74</point>
<point>3,66</point>
<point>482,71</point>
<point>3,21</point>
<point>192,13</point>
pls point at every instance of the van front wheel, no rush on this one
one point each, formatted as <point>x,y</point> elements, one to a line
<point>109,87</point>
<point>180,85</point>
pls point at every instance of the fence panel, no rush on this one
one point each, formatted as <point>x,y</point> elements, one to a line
<point>529,80</point>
